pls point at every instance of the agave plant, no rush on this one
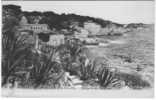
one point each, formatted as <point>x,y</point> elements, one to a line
<point>74,47</point>
<point>69,53</point>
<point>87,69</point>
<point>45,69</point>
<point>14,52</point>
<point>106,78</point>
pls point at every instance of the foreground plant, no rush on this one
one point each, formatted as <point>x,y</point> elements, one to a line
<point>87,69</point>
<point>14,52</point>
<point>45,69</point>
<point>69,53</point>
<point>106,78</point>
<point>134,80</point>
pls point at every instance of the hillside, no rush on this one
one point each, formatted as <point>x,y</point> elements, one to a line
<point>70,22</point>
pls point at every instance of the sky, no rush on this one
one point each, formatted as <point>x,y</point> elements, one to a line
<point>123,12</point>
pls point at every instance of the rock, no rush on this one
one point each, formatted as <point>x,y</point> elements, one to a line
<point>76,81</point>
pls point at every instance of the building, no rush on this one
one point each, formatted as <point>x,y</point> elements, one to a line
<point>92,28</point>
<point>81,34</point>
<point>56,40</point>
<point>41,31</point>
<point>36,28</point>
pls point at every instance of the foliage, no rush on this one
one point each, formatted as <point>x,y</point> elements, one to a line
<point>106,78</point>
<point>45,69</point>
<point>87,70</point>
<point>13,10</point>
<point>11,16</point>
<point>54,20</point>
<point>135,25</point>
<point>133,80</point>
<point>38,69</point>
<point>46,48</point>
<point>10,25</point>
<point>29,68</point>
<point>14,52</point>
<point>32,17</point>
<point>70,52</point>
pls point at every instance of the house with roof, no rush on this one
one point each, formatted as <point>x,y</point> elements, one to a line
<point>56,40</point>
<point>36,28</point>
<point>81,33</point>
<point>41,33</point>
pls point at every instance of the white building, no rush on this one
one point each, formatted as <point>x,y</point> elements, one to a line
<point>81,34</point>
<point>36,28</point>
<point>56,40</point>
<point>92,27</point>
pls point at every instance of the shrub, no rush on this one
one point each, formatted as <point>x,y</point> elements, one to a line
<point>74,47</point>
<point>106,78</point>
<point>69,53</point>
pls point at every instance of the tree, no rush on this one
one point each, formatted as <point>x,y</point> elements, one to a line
<point>11,17</point>
<point>11,10</point>
<point>14,51</point>
<point>33,17</point>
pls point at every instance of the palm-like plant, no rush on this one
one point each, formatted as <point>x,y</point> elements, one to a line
<point>106,78</point>
<point>74,47</point>
<point>14,51</point>
<point>45,69</point>
<point>87,71</point>
<point>69,53</point>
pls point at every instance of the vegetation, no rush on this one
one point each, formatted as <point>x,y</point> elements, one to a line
<point>44,69</point>
<point>54,20</point>
<point>33,68</point>
<point>70,53</point>
<point>15,52</point>
<point>87,71</point>
<point>21,64</point>
<point>106,78</point>
<point>133,81</point>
